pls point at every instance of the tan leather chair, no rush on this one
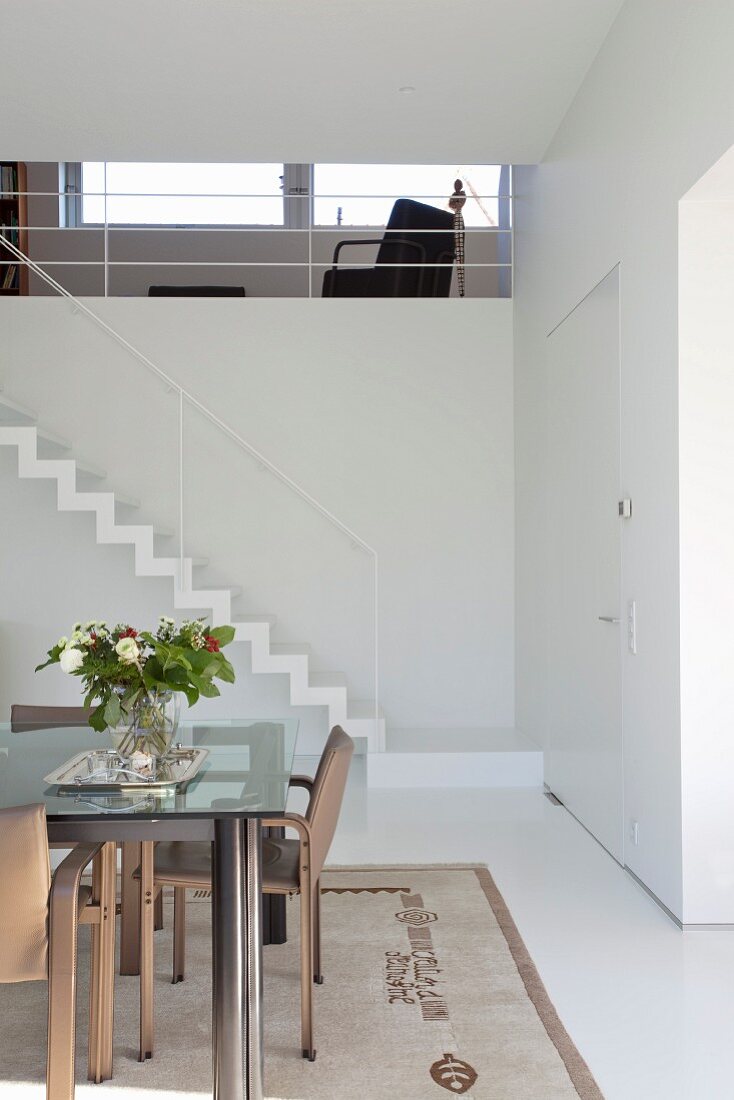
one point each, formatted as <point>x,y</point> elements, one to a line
<point>39,918</point>
<point>289,867</point>
<point>25,717</point>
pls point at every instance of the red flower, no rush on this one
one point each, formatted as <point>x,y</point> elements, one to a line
<point>93,636</point>
<point>129,633</point>
<point>211,643</point>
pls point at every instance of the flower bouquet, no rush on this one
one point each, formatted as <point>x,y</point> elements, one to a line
<point>136,677</point>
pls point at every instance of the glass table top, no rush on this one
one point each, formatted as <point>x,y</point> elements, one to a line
<point>246,771</point>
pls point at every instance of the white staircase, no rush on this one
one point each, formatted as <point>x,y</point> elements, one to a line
<point>36,446</point>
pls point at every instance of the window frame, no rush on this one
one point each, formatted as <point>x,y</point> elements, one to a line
<point>73,210</point>
<point>298,212</point>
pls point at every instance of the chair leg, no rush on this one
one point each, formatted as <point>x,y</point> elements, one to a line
<point>102,971</point>
<point>94,1064</point>
<point>158,921</point>
<point>130,909</point>
<point>307,968</point>
<point>60,1066</point>
<point>147,908</point>
<point>179,934</point>
<point>318,976</point>
<point>62,961</point>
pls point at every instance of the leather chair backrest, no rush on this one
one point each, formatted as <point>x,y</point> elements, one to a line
<point>24,717</point>
<point>327,795</point>
<point>25,882</point>
<point>409,221</point>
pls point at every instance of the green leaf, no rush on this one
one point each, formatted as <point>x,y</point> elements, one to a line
<point>97,720</point>
<point>223,634</point>
<point>192,694</point>
<point>176,676</point>
<point>226,672</point>
<point>200,661</point>
<point>205,687</point>
<point>153,673</point>
<point>113,710</point>
<point>53,657</point>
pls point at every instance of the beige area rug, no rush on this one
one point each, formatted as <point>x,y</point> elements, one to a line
<point>428,991</point>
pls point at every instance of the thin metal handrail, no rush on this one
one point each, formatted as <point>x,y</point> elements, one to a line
<point>184,395</point>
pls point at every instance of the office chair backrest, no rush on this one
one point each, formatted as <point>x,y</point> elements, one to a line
<point>327,795</point>
<point>25,882</point>
<point>409,220</point>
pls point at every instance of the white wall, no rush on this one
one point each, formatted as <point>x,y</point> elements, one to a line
<point>397,415</point>
<point>707,553</point>
<point>655,111</point>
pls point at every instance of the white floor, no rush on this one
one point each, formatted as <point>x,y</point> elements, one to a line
<point>649,1007</point>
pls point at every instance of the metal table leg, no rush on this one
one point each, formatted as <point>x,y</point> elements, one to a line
<point>237,960</point>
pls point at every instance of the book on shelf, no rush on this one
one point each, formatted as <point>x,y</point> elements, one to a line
<point>9,229</point>
<point>10,278</point>
<point>8,180</point>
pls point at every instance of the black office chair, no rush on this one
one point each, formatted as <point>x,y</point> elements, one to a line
<point>196,292</point>
<point>416,235</point>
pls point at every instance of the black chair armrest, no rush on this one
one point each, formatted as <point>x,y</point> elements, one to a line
<point>304,781</point>
<point>341,244</point>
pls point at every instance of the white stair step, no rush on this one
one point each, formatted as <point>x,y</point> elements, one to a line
<point>13,412</point>
<point>290,649</point>
<point>234,590</point>
<point>459,740</point>
<point>271,620</point>
<point>56,440</point>
<point>89,469</point>
<point>327,680</point>
<point>456,758</point>
<point>363,708</point>
<point>126,500</point>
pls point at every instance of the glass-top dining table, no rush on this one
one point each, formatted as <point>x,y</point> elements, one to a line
<point>243,779</point>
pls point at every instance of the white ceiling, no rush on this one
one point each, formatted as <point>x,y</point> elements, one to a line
<point>293,80</point>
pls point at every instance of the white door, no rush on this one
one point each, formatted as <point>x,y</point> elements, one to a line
<point>584,761</point>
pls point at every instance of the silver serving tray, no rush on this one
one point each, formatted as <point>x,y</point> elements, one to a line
<point>104,770</point>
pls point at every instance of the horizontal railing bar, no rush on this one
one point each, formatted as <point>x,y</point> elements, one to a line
<point>245,263</point>
<point>228,195</point>
<point>117,227</point>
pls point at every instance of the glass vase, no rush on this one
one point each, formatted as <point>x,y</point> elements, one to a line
<point>149,727</point>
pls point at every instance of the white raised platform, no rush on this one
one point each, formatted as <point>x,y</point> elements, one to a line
<point>456,758</point>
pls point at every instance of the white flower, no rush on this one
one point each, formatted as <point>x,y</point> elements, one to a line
<point>76,626</point>
<point>127,650</point>
<point>85,640</point>
<point>63,641</point>
<point>71,659</point>
<point>90,624</point>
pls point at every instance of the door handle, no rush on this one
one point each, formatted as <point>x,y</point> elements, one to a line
<point>607,619</point>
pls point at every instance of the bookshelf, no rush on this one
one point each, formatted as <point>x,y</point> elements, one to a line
<point>13,223</point>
